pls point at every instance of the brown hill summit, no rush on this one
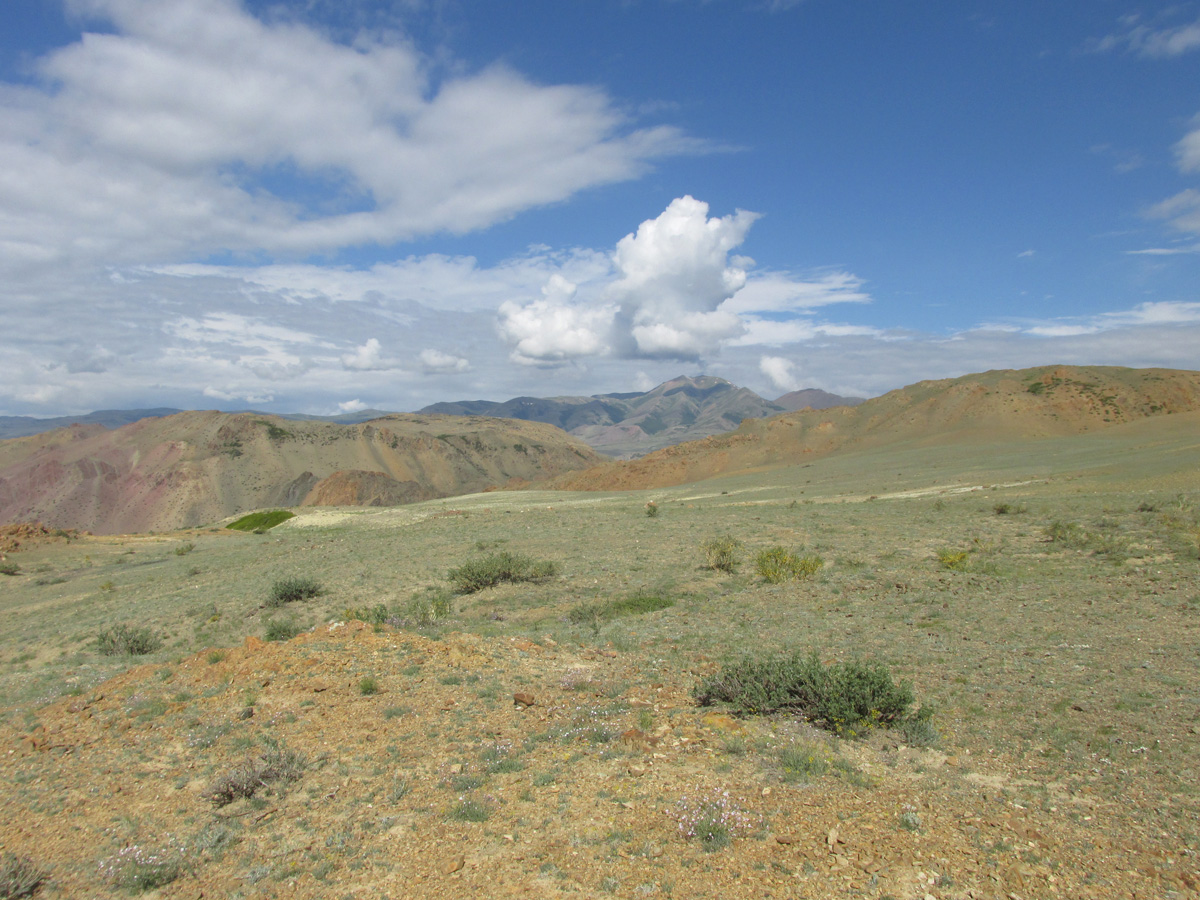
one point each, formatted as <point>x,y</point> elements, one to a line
<point>998,405</point>
<point>199,467</point>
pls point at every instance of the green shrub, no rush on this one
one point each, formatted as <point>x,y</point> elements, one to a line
<point>470,810</point>
<point>803,762</point>
<point>1068,533</point>
<point>19,877</point>
<point>778,564</point>
<point>424,609</point>
<point>139,869</point>
<point>846,698</point>
<point>497,568</point>
<point>281,629</point>
<point>292,590</point>
<point>652,510</point>
<point>368,685</point>
<point>185,549</point>
<point>261,521</point>
<point>722,553</point>
<point>125,640</point>
<point>9,568</point>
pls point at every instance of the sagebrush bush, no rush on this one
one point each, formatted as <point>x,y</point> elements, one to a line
<point>497,568</point>
<point>276,768</point>
<point>125,640</point>
<point>293,590</point>
<point>19,877</point>
<point>372,615</point>
<point>778,564</point>
<point>722,553</point>
<point>9,568</point>
<point>846,698</point>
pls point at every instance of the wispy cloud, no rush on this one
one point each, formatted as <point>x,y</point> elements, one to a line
<point>1153,41</point>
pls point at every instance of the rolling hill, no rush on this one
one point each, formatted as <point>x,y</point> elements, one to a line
<point>1049,401</point>
<point>199,467</point>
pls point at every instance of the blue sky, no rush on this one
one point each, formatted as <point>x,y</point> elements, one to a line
<point>322,206</point>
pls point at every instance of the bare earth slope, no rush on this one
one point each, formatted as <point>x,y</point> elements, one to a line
<point>199,467</point>
<point>1051,401</point>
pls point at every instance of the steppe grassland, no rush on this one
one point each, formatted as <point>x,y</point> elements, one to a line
<point>1072,662</point>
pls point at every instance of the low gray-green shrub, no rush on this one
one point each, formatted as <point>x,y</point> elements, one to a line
<point>846,698</point>
<point>293,590</point>
<point>126,640</point>
<point>722,553</point>
<point>9,568</point>
<point>498,568</point>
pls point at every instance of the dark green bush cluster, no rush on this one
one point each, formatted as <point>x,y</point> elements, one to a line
<point>599,613</point>
<point>846,698</point>
<point>125,640</point>
<point>293,590</point>
<point>261,521</point>
<point>276,768</point>
<point>9,568</point>
<point>497,568</point>
<point>778,564</point>
<point>19,877</point>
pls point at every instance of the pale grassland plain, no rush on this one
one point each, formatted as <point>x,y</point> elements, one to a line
<point>1071,665</point>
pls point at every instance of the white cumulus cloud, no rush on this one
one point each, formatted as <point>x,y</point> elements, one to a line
<point>369,357</point>
<point>780,371</point>
<point>437,361</point>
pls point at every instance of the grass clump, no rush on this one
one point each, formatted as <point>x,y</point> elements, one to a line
<point>293,590</point>
<point>261,521</point>
<point>125,640</point>
<point>368,685</point>
<point>778,564</point>
<point>954,560</point>
<point>597,614</point>
<point>9,568</point>
<point>497,568</point>
<point>19,877</point>
<point>468,809</point>
<point>372,615</point>
<point>846,698</point>
<point>281,629</point>
<point>277,768</point>
<point>803,762</point>
<point>139,869</point>
<point>722,554</point>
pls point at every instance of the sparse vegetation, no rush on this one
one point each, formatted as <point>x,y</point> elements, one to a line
<point>846,698</point>
<point>9,568</point>
<point>954,560</point>
<point>368,685</point>
<point>498,568</point>
<point>185,549</point>
<point>293,590</point>
<point>778,564</point>
<point>127,640</point>
<point>261,521</point>
<point>722,553</point>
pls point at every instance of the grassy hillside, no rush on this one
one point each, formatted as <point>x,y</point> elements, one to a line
<point>991,407</point>
<point>1042,596</point>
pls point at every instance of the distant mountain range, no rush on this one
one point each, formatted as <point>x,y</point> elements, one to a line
<point>633,424</point>
<point>620,425</point>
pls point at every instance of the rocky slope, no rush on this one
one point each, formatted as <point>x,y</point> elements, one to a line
<point>992,406</point>
<point>200,467</point>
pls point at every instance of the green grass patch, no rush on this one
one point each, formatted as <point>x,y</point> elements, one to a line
<point>602,612</point>
<point>293,590</point>
<point>261,521</point>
